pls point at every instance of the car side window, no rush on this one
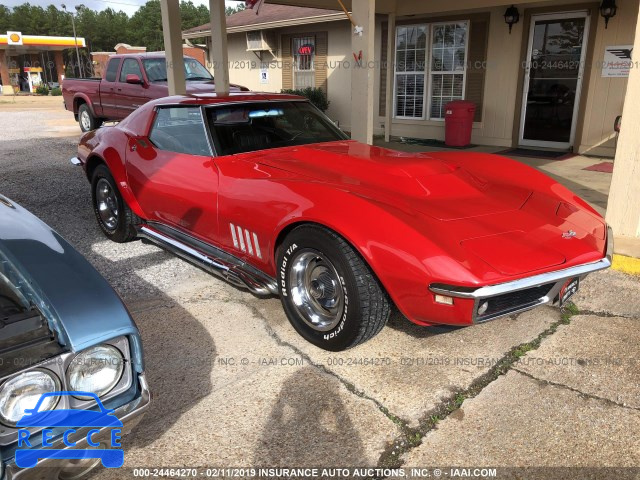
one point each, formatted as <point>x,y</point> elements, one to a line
<point>112,70</point>
<point>130,67</point>
<point>180,130</point>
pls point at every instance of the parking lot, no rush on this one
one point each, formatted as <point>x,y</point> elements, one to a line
<point>234,385</point>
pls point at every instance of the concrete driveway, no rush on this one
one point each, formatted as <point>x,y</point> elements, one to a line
<point>235,386</point>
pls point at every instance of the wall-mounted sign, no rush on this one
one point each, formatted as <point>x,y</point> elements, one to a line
<point>264,75</point>
<point>14,38</point>
<point>306,49</point>
<point>617,61</point>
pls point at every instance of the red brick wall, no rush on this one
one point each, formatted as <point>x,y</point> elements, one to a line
<point>197,53</point>
<point>99,63</point>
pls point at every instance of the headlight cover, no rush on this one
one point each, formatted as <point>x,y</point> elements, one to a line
<point>23,392</point>
<point>96,370</point>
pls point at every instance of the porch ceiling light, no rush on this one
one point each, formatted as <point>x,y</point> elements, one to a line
<point>608,10</point>
<point>512,16</point>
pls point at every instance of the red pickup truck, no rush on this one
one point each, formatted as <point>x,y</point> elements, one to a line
<point>129,81</point>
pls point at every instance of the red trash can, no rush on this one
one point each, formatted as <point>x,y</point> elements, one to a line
<point>458,121</point>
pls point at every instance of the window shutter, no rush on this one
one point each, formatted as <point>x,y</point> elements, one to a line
<point>476,61</point>
<point>287,62</point>
<point>382,110</point>
<point>320,65</point>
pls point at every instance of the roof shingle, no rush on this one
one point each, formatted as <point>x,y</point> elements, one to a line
<point>268,13</point>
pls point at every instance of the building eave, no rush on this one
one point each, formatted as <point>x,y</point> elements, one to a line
<point>333,17</point>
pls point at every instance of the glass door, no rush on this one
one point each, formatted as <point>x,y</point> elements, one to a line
<point>553,79</point>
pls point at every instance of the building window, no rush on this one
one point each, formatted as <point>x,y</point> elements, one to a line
<point>304,51</point>
<point>447,45</point>
<point>411,50</point>
<point>448,65</point>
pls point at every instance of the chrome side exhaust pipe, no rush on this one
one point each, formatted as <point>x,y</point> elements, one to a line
<point>215,261</point>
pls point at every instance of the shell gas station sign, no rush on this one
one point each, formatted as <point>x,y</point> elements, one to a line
<point>17,39</point>
<point>14,38</point>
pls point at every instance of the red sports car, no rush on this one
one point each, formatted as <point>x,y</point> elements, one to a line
<point>264,191</point>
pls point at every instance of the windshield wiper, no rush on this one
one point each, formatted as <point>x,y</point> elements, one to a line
<point>199,78</point>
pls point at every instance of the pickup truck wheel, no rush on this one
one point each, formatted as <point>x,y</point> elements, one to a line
<point>114,216</point>
<point>86,119</point>
<point>330,295</point>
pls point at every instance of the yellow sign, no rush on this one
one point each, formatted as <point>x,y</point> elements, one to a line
<point>14,38</point>
<point>58,43</point>
<point>14,70</point>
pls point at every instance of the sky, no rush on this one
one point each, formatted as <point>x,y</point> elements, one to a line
<point>128,6</point>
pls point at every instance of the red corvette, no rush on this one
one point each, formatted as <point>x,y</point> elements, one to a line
<point>264,191</point>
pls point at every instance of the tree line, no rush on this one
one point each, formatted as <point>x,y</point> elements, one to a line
<point>102,29</point>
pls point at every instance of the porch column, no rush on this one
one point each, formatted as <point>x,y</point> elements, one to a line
<point>59,62</point>
<point>172,32</point>
<point>218,53</point>
<point>362,75</point>
<point>623,209</point>
<point>4,74</point>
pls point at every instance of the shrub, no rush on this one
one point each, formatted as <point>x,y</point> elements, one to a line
<point>315,95</point>
<point>42,90</point>
<point>56,92</point>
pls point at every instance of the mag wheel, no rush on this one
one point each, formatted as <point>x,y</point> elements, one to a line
<point>315,282</point>
<point>86,119</point>
<point>114,216</point>
<point>328,292</point>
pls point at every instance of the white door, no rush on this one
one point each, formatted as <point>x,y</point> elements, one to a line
<point>553,79</point>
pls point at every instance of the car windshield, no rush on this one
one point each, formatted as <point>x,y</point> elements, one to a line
<point>249,127</point>
<point>156,69</point>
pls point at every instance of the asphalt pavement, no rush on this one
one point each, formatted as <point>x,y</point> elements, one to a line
<point>235,386</point>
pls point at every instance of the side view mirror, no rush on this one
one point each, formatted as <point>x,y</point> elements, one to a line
<point>133,79</point>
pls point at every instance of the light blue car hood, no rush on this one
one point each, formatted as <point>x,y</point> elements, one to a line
<point>77,301</point>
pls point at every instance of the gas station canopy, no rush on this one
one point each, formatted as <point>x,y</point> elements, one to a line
<point>25,43</point>
<point>28,61</point>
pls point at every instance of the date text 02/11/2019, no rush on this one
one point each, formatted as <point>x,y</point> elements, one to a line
<point>306,472</point>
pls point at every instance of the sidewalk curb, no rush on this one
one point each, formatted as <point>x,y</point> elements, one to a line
<point>626,264</point>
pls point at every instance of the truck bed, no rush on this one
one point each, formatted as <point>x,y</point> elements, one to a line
<point>87,89</point>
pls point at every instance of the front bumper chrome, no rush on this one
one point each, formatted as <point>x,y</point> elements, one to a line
<point>129,414</point>
<point>555,280</point>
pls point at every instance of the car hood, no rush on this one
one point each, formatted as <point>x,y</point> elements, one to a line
<point>204,86</point>
<point>417,181</point>
<point>79,304</point>
<point>509,227</point>
<point>201,86</point>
